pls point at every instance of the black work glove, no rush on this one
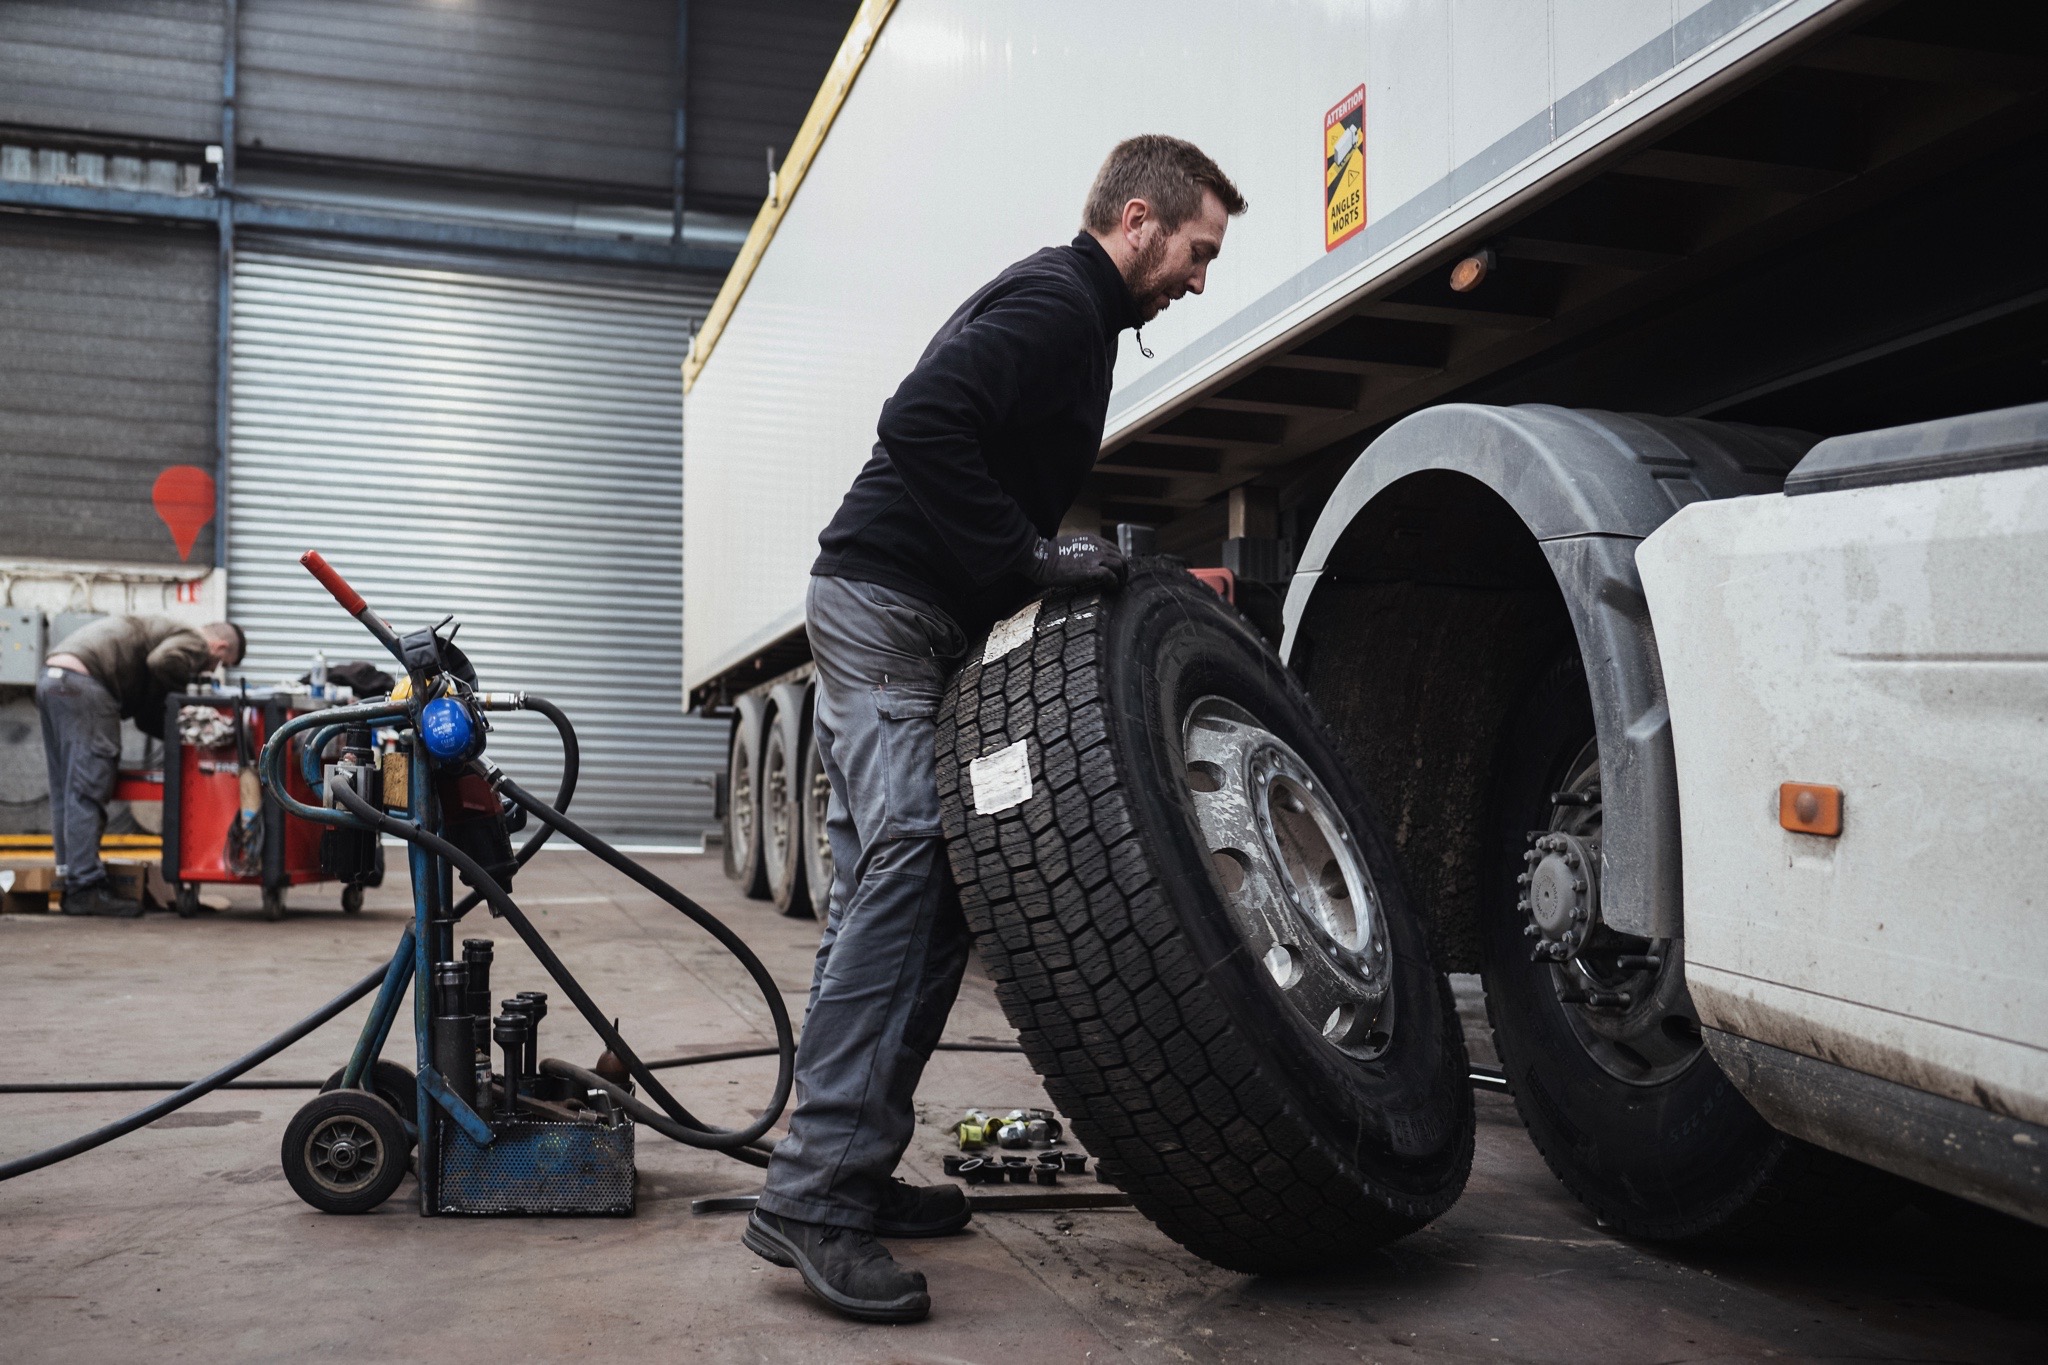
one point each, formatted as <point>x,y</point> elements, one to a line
<point>1075,561</point>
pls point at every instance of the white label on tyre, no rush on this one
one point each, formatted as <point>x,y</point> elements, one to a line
<point>1005,636</point>
<point>1001,780</point>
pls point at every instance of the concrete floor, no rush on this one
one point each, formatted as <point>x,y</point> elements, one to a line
<point>183,1241</point>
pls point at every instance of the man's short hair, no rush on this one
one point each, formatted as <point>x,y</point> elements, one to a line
<point>1165,172</point>
<point>219,628</point>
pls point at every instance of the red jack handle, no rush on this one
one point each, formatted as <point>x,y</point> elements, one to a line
<point>352,602</point>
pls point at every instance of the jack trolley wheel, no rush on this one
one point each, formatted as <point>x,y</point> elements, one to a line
<point>351,900</point>
<point>186,902</point>
<point>390,1082</point>
<point>345,1152</point>
<point>273,903</point>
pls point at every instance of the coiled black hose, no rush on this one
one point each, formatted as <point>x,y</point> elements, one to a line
<point>687,1127</point>
<point>572,758</point>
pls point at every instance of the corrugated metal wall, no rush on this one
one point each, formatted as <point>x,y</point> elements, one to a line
<point>496,446</point>
<point>107,352</point>
<point>146,68</point>
<point>754,67</point>
<point>528,87</point>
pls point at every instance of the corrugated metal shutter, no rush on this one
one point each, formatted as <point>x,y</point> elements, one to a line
<point>582,92</point>
<point>498,447</point>
<point>107,338</point>
<point>145,68</point>
<point>754,67</point>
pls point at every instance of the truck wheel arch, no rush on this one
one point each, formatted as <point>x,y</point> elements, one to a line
<point>1465,545</point>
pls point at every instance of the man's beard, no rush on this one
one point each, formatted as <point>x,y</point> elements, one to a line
<point>1145,279</point>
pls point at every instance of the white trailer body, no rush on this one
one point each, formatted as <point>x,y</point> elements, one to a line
<point>1622,264</point>
<point>971,136</point>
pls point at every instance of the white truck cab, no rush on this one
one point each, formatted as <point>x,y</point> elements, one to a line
<point>1869,966</point>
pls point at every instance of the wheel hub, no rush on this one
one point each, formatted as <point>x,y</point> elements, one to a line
<point>1624,996</point>
<point>1560,893</point>
<point>1294,883</point>
<point>343,1153</point>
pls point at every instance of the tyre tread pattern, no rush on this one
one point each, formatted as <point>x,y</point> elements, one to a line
<point>1113,1009</point>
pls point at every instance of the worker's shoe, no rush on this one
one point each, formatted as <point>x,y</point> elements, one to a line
<point>99,899</point>
<point>921,1210</point>
<point>845,1267</point>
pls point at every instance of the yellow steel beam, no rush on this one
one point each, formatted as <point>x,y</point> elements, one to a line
<point>845,69</point>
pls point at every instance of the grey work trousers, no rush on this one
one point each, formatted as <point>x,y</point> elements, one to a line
<point>895,943</point>
<point>82,748</point>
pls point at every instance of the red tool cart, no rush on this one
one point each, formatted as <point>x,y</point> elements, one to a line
<point>210,781</point>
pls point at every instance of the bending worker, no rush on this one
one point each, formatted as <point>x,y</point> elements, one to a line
<point>952,522</point>
<point>118,667</point>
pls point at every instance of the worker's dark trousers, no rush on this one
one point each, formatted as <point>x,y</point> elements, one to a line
<point>894,945</point>
<point>82,746</point>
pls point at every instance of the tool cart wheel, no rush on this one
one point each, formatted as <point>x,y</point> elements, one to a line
<point>351,900</point>
<point>390,1082</point>
<point>273,903</point>
<point>1197,926</point>
<point>817,806</point>
<point>345,1152</point>
<point>186,902</point>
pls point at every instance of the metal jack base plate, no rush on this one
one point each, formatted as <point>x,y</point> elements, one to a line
<point>536,1167</point>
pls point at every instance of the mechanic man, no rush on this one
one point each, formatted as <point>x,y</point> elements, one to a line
<point>113,668</point>
<point>952,523</point>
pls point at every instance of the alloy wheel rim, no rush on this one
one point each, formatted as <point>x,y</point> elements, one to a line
<point>1294,881</point>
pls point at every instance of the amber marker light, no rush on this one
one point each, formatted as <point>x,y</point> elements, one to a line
<point>1810,808</point>
<point>1468,274</point>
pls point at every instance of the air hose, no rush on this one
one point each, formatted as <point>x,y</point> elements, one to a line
<point>65,1151</point>
<point>681,1124</point>
<point>224,1078</point>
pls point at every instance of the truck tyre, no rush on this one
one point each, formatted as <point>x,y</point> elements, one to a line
<point>782,804</point>
<point>743,860</point>
<point>1623,1101</point>
<point>816,790</point>
<point>1196,925</point>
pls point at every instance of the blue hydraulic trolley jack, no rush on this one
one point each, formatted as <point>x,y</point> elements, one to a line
<point>537,1136</point>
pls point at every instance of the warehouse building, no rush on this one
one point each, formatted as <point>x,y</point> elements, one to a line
<point>408,282</point>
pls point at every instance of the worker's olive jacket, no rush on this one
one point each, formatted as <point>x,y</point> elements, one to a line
<point>985,444</point>
<point>141,660</point>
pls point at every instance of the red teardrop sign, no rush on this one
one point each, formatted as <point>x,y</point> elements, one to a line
<point>183,496</point>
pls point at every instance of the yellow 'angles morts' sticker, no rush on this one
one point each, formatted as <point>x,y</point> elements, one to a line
<point>1344,169</point>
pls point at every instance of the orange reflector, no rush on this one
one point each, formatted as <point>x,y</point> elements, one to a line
<point>1468,274</point>
<point>1809,808</point>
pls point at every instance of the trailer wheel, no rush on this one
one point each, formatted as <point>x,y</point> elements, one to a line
<point>1602,1050</point>
<point>1198,929</point>
<point>816,791</point>
<point>344,1152</point>
<point>352,900</point>
<point>782,805</point>
<point>743,860</point>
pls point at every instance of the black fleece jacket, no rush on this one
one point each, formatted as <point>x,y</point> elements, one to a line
<point>985,444</point>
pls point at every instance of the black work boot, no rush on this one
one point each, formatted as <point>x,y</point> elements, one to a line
<point>99,899</point>
<point>921,1210</point>
<point>845,1267</point>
